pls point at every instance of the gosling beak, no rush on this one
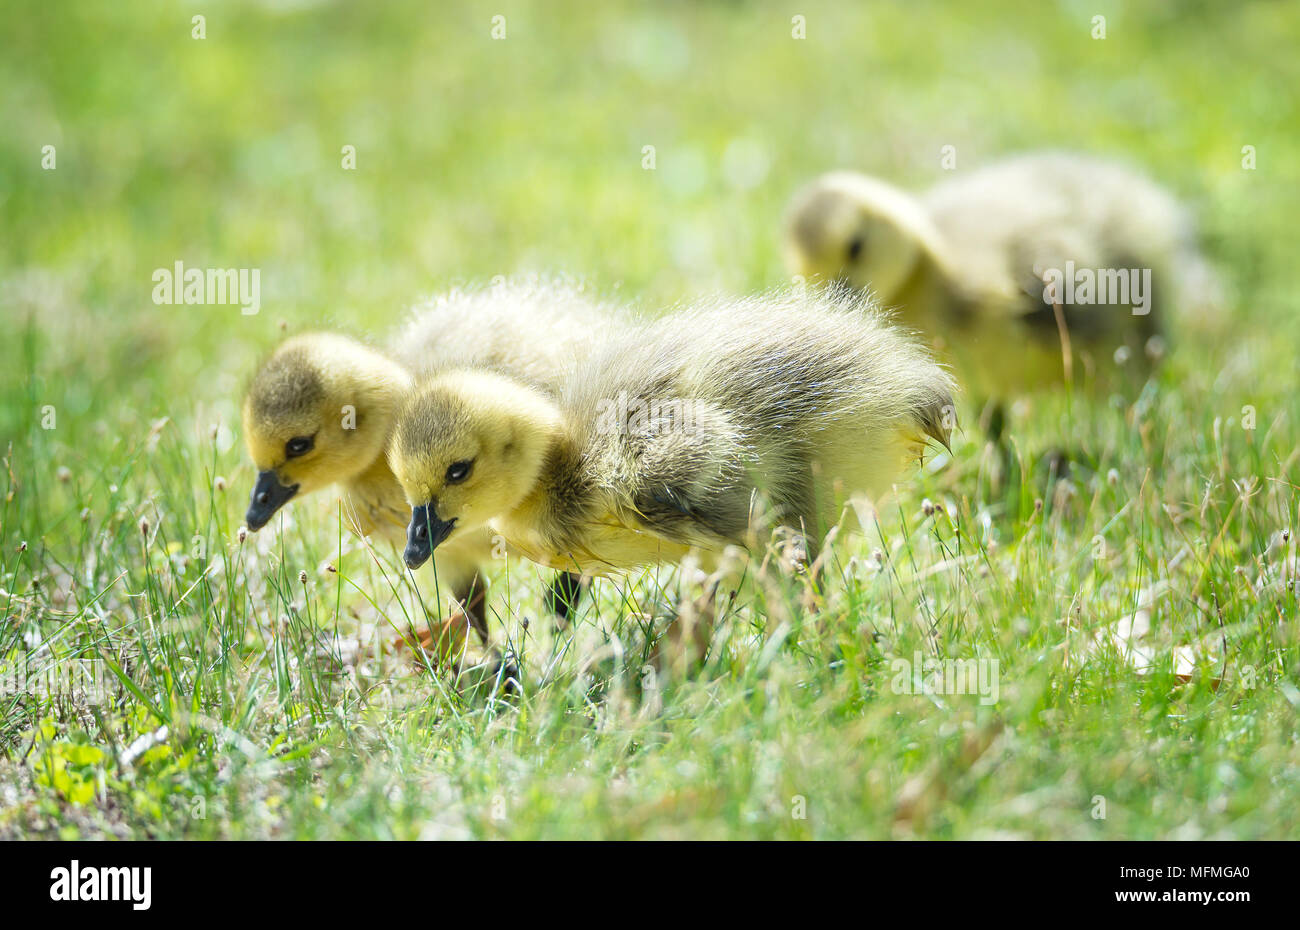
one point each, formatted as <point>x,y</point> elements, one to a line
<point>269,495</point>
<point>424,534</point>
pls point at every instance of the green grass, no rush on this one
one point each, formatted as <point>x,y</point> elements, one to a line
<point>478,157</point>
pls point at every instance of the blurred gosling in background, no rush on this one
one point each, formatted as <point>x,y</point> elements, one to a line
<point>993,266</point>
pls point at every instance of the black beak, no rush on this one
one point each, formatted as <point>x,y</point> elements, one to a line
<point>424,534</point>
<point>269,495</point>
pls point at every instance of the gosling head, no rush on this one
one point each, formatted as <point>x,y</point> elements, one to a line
<point>317,412</point>
<point>468,446</point>
<point>853,229</point>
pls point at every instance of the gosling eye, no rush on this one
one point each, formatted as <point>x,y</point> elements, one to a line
<point>856,245</point>
<point>458,471</point>
<point>299,445</point>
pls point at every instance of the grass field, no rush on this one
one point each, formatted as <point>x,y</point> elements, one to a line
<point>175,682</point>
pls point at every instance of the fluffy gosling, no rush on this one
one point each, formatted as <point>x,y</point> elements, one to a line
<point>321,409</point>
<point>970,261</point>
<point>670,438</point>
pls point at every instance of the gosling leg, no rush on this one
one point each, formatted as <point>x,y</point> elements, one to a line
<point>565,594</point>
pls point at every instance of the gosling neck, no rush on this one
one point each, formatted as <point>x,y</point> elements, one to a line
<point>378,400</point>
<point>552,474</point>
<point>930,296</point>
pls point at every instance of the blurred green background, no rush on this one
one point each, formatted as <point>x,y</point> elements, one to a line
<point>478,157</point>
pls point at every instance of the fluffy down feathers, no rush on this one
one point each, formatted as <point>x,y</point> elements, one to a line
<point>690,431</point>
<point>535,330</point>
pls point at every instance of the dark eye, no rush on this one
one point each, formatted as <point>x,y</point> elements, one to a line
<point>299,445</point>
<point>458,471</point>
<point>856,244</point>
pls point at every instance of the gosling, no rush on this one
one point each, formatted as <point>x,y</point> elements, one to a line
<point>994,266</point>
<point>320,410</point>
<point>694,432</point>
